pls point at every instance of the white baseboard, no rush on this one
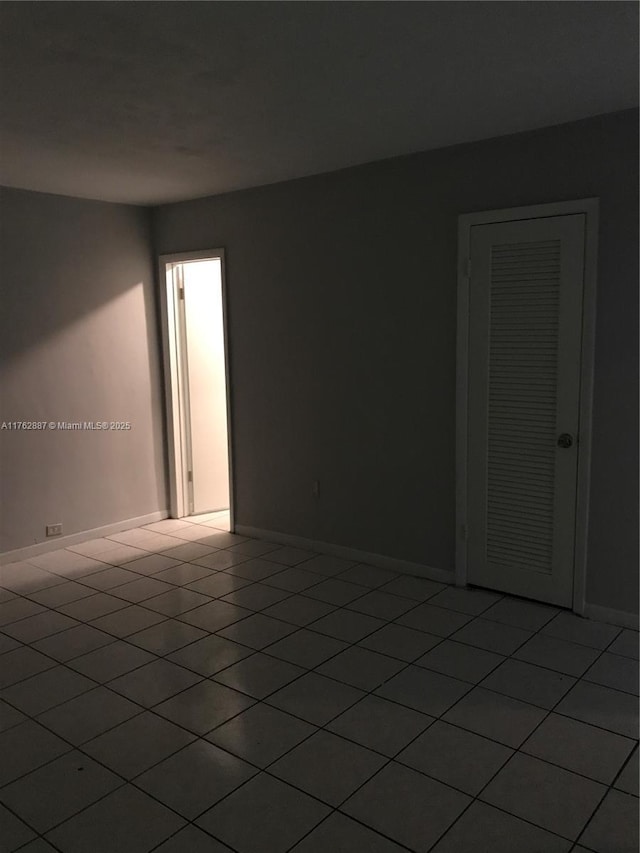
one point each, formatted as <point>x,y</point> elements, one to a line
<point>614,617</point>
<point>379,560</point>
<point>76,538</point>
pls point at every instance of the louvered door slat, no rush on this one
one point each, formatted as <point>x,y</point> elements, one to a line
<point>525,309</point>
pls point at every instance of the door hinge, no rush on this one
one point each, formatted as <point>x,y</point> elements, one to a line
<point>467,268</point>
<point>464,532</point>
<point>181,293</point>
<point>189,476</point>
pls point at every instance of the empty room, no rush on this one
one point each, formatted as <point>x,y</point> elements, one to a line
<point>319,427</point>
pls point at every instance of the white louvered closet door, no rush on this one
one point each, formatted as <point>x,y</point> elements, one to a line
<point>525,321</point>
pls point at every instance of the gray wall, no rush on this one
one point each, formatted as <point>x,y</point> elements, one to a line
<point>78,341</point>
<point>342,306</point>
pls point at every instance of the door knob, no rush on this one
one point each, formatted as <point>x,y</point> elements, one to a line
<point>565,440</point>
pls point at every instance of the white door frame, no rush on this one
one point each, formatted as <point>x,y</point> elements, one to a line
<point>589,207</point>
<point>178,504</point>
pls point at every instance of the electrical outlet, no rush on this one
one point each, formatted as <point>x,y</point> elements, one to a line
<point>54,529</point>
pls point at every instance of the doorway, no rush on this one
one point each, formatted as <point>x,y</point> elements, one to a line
<point>195,344</point>
<point>525,354</point>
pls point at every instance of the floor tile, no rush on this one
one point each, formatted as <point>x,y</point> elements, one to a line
<point>220,560</point>
<point>255,596</point>
<point>548,796</point>
<point>626,643</point>
<point>67,563</point>
<point>154,682</point>
<point>9,716</point>
<point>188,551</point>
<point>13,832</point>
<point>620,673</point>
<point>434,620</point>
<point>327,767</point>
<point>63,593</point>
<point>194,779</point>
<point>261,734</point>
<point>325,564</point>
<point>215,615</point>
<point>280,816</point>
<point>315,698</point>
<point>60,789</point>
<point>204,706</point>
<point>560,655</point>
<point>471,601</point>
<point>24,578</point>
<point>457,757</point>
<point>127,820</point>
<point>290,556</point>
<point>579,747</point>
<point>482,827</point>
<point>25,747</point>
<point>335,591</point>
<point>423,690</point>
<point>397,641</point>
<point>166,637</point>
<point>110,661</point>
<point>294,580</point>
<point>380,725</point>
<point>93,606</point>
<point>89,715</point>
<point>253,548</point>
<point>576,629</point>
<point>167,525</point>
<point>219,584</point>
<point>129,620</point>
<point>18,608</point>
<point>500,718</point>
<point>299,610</point>
<point>460,661</point>
<point>256,569</point>
<point>47,689</point>
<point>383,605</point>
<point>22,663</point>
<point>614,826</point>
<point>520,613</point>
<point>210,655</point>
<point>529,683</point>
<point>38,846</point>
<point>37,627</point>
<point>192,840</point>
<point>361,668</point>
<point>8,644</point>
<point>419,589</point>
<point>121,555</point>
<point>152,563</point>
<point>176,601</point>
<point>306,648</point>
<point>259,675</point>
<point>141,589</point>
<point>370,576</point>
<point>627,781</point>
<point>181,574</point>
<point>601,706</point>
<point>257,631</point>
<point>74,642</point>
<point>137,744</point>
<point>347,625</point>
<point>109,578</point>
<point>340,834</point>
<point>492,636</point>
<point>417,809</point>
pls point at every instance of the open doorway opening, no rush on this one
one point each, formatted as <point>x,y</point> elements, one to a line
<point>196,383</point>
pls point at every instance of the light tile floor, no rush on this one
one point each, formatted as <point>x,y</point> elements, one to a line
<point>181,689</point>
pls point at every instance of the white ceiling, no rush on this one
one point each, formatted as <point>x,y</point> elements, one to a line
<point>151,102</point>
